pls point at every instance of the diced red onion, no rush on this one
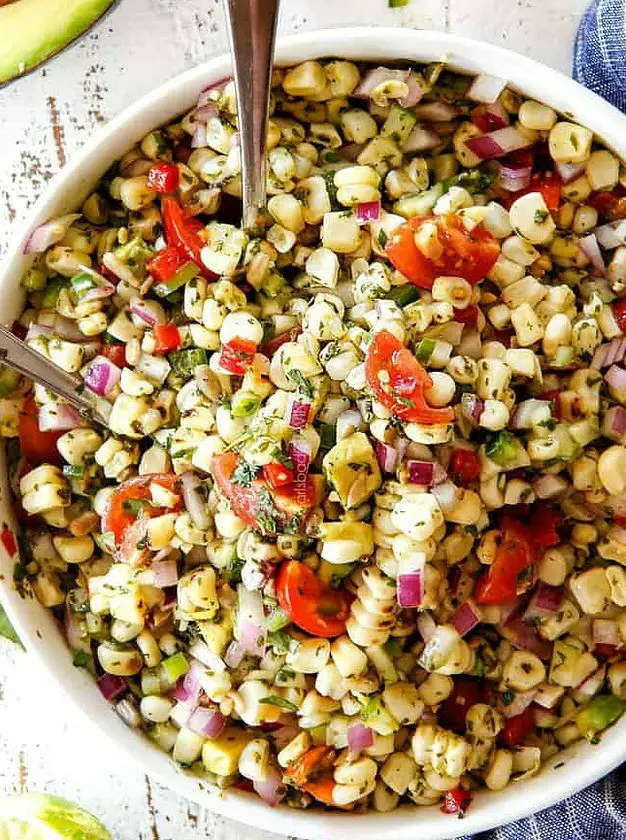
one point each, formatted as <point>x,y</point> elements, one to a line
<point>472,407</point>
<point>191,682</point>
<point>378,76</point>
<point>544,602</point>
<point>426,626</point>
<point>67,329</point>
<point>496,115</point>
<point>514,178</point>
<point>147,312</point>
<point>103,289</point>
<point>421,472</point>
<point>525,413</point>
<point>298,413</point>
<point>611,235</point>
<point>608,354</point>
<point>368,211</point>
<point>466,617</point>
<point>111,686</point>
<point>589,246</point>
<point>519,704</point>
<point>102,376</point>
<point>74,634</point>
<point>58,417</point>
<point>593,683</point>
<point>203,653</point>
<point>436,112</point>
<point>605,632</point>
<point>614,423</point>
<point>445,493</point>
<point>300,452</point>
<point>284,734</point>
<point>199,137</point>
<point>164,573</point>
<point>37,330</point>
<point>549,486</point>
<point>416,91</point>
<point>250,621</point>
<point>498,143</point>
<point>568,172</point>
<point>410,588</point>
<point>525,637</point>
<point>421,140</point>
<point>616,380</point>
<point>204,113</point>
<point>360,737</point>
<point>129,713</point>
<point>485,88</point>
<point>195,500</point>
<point>182,711</point>
<point>234,654</point>
<point>180,692</point>
<point>347,422</point>
<point>49,233</point>
<point>387,457</point>
<point>207,722</point>
<point>271,789</point>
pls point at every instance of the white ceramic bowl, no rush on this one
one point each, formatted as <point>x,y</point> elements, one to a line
<point>568,771</point>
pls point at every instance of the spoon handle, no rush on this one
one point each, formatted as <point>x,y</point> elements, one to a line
<point>252,31</point>
<point>18,356</point>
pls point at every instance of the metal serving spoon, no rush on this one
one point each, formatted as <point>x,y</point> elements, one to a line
<point>252,29</point>
<point>23,359</point>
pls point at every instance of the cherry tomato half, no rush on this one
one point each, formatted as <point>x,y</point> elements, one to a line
<point>310,605</point>
<point>131,502</point>
<point>36,446</point>
<point>468,254</point>
<point>398,380</point>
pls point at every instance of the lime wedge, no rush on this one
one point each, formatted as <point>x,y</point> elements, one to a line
<point>37,816</point>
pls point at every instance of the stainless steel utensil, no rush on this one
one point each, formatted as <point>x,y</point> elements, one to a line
<point>252,31</point>
<point>23,359</point>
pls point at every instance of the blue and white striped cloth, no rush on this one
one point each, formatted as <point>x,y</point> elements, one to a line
<point>599,812</point>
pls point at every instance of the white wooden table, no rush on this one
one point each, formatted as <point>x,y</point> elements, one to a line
<point>44,746</point>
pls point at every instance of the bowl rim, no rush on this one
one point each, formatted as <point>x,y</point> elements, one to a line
<point>31,620</point>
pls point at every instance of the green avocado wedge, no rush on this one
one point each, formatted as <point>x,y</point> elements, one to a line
<point>32,31</point>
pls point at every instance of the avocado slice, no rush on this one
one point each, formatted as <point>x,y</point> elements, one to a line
<point>352,470</point>
<point>35,30</point>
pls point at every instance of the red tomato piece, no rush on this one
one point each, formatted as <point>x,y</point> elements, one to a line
<point>548,184</point>
<point>130,503</point>
<point>408,259</point>
<point>469,315</point>
<point>115,353</point>
<point>164,177</point>
<point>167,263</point>
<point>467,254</point>
<point>8,541</point>
<point>456,801</point>
<point>278,476</point>
<point>310,765</point>
<point>270,347</point>
<point>517,728</point>
<point>543,526</point>
<point>167,338</point>
<point>611,205</point>
<point>401,386</point>
<point>465,694</point>
<point>36,446</point>
<point>619,311</point>
<point>464,467</point>
<point>237,355</point>
<point>310,605</point>
<point>267,509</point>
<point>183,232</point>
<point>515,554</point>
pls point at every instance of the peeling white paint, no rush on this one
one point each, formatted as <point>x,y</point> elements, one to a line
<point>43,745</point>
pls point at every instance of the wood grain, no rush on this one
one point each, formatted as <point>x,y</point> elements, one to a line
<point>45,744</point>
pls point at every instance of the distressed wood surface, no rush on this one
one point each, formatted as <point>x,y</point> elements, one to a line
<point>44,117</point>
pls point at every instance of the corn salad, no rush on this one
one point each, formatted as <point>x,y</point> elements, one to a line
<point>355,535</point>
